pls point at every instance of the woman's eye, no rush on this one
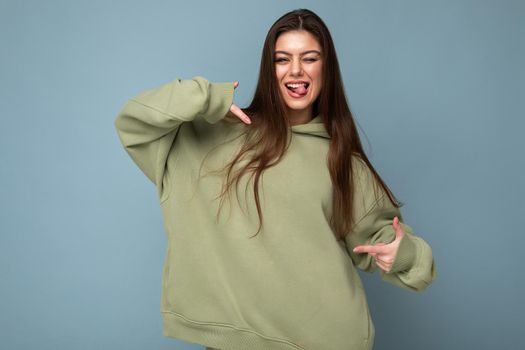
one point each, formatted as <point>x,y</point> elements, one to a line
<point>306,59</point>
<point>309,60</point>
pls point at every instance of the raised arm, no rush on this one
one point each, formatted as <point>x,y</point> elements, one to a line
<point>148,123</point>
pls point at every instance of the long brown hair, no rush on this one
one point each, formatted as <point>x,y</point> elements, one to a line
<point>268,136</point>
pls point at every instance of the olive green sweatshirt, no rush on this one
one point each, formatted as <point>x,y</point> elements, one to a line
<point>292,286</point>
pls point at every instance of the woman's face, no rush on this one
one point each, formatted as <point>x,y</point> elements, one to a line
<point>298,60</point>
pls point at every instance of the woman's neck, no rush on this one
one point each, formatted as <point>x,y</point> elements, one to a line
<point>299,117</point>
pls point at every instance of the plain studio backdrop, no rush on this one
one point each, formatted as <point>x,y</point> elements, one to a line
<point>437,88</point>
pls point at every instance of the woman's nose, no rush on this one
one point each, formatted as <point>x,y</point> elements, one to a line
<point>296,68</point>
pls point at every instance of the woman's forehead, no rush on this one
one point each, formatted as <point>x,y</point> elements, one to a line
<point>297,41</point>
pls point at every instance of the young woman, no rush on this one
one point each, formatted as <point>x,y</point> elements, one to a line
<point>270,210</point>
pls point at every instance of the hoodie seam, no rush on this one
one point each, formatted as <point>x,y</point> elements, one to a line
<point>163,112</point>
<point>372,207</point>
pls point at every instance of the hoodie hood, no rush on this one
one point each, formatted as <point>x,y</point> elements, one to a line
<point>313,127</point>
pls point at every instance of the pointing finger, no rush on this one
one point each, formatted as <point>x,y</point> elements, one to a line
<point>369,249</point>
<point>240,114</point>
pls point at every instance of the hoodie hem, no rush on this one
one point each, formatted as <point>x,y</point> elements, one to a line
<point>221,336</point>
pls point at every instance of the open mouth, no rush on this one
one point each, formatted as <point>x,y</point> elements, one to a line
<point>298,88</point>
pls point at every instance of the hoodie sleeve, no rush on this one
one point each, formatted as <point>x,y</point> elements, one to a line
<point>147,123</point>
<point>413,267</point>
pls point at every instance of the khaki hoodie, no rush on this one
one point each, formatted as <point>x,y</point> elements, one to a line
<point>293,286</point>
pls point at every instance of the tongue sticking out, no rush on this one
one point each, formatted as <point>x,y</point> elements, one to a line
<point>301,90</point>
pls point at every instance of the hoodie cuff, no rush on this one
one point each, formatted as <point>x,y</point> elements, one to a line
<point>406,255</point>
<point>219,103</point>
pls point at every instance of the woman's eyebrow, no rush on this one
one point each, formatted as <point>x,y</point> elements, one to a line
<point>303,53</point>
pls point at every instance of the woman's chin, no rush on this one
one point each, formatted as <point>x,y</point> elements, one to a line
<point>298,105</point>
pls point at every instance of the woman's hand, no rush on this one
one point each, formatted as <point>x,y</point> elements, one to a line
<point>385,254</point>
<point>237,111</point>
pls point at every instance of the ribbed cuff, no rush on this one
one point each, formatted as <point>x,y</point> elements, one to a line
<point>220,101</point>
<point>406,255</point>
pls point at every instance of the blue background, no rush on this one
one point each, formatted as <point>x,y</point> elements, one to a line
<point>437,88</point>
